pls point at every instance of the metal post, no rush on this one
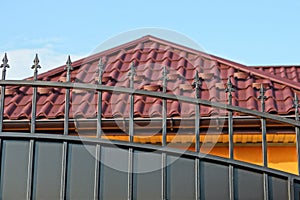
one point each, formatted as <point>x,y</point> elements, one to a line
<point>99,132</point>
<point>164,108</point>
<point>262,97</point>
<point>63,171</point>
<point>131,120</point>
<point>297,130</point>
<point>229,90</point>
<point>4,65</point>
<point>66,131</point>
<point>97,172</point>
<point>131,135</point>
<point>291,192</point>
<point>69,68</point>
<point>99,111</point>
<point>197,86</point>
<point>164,136</point>
<point>35,66</point>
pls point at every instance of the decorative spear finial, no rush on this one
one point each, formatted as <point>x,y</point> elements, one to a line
<point>69,68</point>
<point>132,74</point>
<point>262,97</point>
<point>197,84</point>
<point>100,70</point>
<point>296,103</point>
<point>229,90</point>
<point>36,66</point>
<point>4,65</point>
<point>165,79</point>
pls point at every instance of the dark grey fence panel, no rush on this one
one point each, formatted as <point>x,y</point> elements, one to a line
<point>180,178</point>
<point>148,175</point>
<point>214,181</point>
<point>80,172</point>
<point>47,170</point>
<point>249,185</point>
<point>278,188</point>
<point>14,171</point>
<point>113,176</point>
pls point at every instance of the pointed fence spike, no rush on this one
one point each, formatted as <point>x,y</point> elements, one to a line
<point>4,65</point>
<point>229,90</point>
<point>196,78</point>
<point>36,62</point>
<point>100,66</point>
<point>296,103</point>
<point>69,68</point>
<point>229,86</point>
<point>262,97</point>
<point>197,84</point>
<point>36,66</point>
<point>100,70</point>
<point>132,69</point>
<point>262,92</point>
<point>4,60</point>
<point>164,79</point>
<point>132,74</point>
<point>164,71</point>
<point>69,62</point>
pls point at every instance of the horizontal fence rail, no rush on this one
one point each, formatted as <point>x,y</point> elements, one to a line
<point>93,87</point>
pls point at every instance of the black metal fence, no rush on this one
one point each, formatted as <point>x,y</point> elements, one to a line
<point>58,166</point>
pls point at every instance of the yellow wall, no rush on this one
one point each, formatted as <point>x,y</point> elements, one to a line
<point>283,158</point>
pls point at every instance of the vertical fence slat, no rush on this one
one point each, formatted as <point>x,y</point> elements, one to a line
<point>97,172</point>
<point>4,65</point>
<point>291,192</point>
<point>197,86</point>
<point>30,169</point>
<point>35,67</point>
<point>67,96</point>
<point>99,103</point>
<point>99,133</point>
<point>297,130</point>
<point>131,134</point>
<point>131,112</point>
<point>229,90</point>
<point>66,131</point>
<point>130,174</point>
<point>262,97</point>
<point>63,171</point>
<point>164,137</point>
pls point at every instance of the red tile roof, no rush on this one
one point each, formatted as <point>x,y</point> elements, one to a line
<point>150,54</point>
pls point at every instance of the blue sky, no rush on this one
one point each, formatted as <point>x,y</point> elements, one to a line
<point>257,32</point>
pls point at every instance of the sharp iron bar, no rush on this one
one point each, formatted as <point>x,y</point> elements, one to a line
<point>99,111</point>
<point>4,65</point>
<point>69,68</point>
<point>100,71</point>
<point>36,66</point>
<point>297,130</point>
